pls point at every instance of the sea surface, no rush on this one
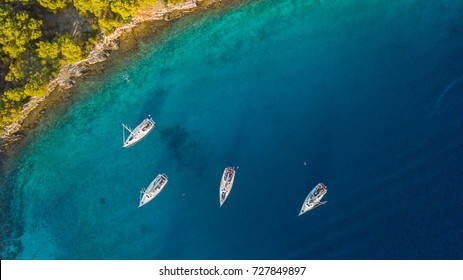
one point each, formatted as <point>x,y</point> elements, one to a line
<point>368,93</point>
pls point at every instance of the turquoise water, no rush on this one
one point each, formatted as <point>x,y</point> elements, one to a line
<point>368,93</point>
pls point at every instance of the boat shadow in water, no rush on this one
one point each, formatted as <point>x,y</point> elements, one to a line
<point>184,149</point>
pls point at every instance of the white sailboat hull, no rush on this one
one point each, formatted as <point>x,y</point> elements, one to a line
<point>313,199</point>
<point>226,184</point>
<point>156,186</point>
<point>143,129</point>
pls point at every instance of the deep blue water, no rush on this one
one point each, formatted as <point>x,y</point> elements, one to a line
<point>368,93</point>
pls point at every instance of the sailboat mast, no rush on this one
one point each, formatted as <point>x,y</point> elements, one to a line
<point>123,134</point>
<point>126,127</point>
<point>142,192</point>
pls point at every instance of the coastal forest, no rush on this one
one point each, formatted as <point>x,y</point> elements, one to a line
<point>38,37</point>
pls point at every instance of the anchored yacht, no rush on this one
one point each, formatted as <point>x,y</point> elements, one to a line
<point>138,133</point>
<point>313,200</point>
<point>153,189</point>
<point>226,183</point>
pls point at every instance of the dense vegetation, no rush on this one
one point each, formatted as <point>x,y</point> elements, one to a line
<point>37,37</point>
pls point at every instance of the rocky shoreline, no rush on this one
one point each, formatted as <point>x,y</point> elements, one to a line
<point>66,79</point>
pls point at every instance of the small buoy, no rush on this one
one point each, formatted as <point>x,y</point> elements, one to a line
<point>305,162</point>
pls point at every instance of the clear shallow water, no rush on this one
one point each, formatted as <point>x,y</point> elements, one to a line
<point>369,94</point>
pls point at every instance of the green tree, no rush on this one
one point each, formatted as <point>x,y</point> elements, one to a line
<point>48,50</point>
<point>125,8</point>
<point>96,7</point>
<point>15,94</point>
<point>70,50</point>
<point>9,113</point>
<point>53,5</point>
<point>25,68</point>
<point>107,25</point>
<point>18,30</point>
<point>19,1</point>
<point>16,72</point>
<point>37,86</point>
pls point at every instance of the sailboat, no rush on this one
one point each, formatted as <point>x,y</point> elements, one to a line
<point>226,184</point>
<point>138,133</point>
<point>313,200</point>
<point>153,189</point>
